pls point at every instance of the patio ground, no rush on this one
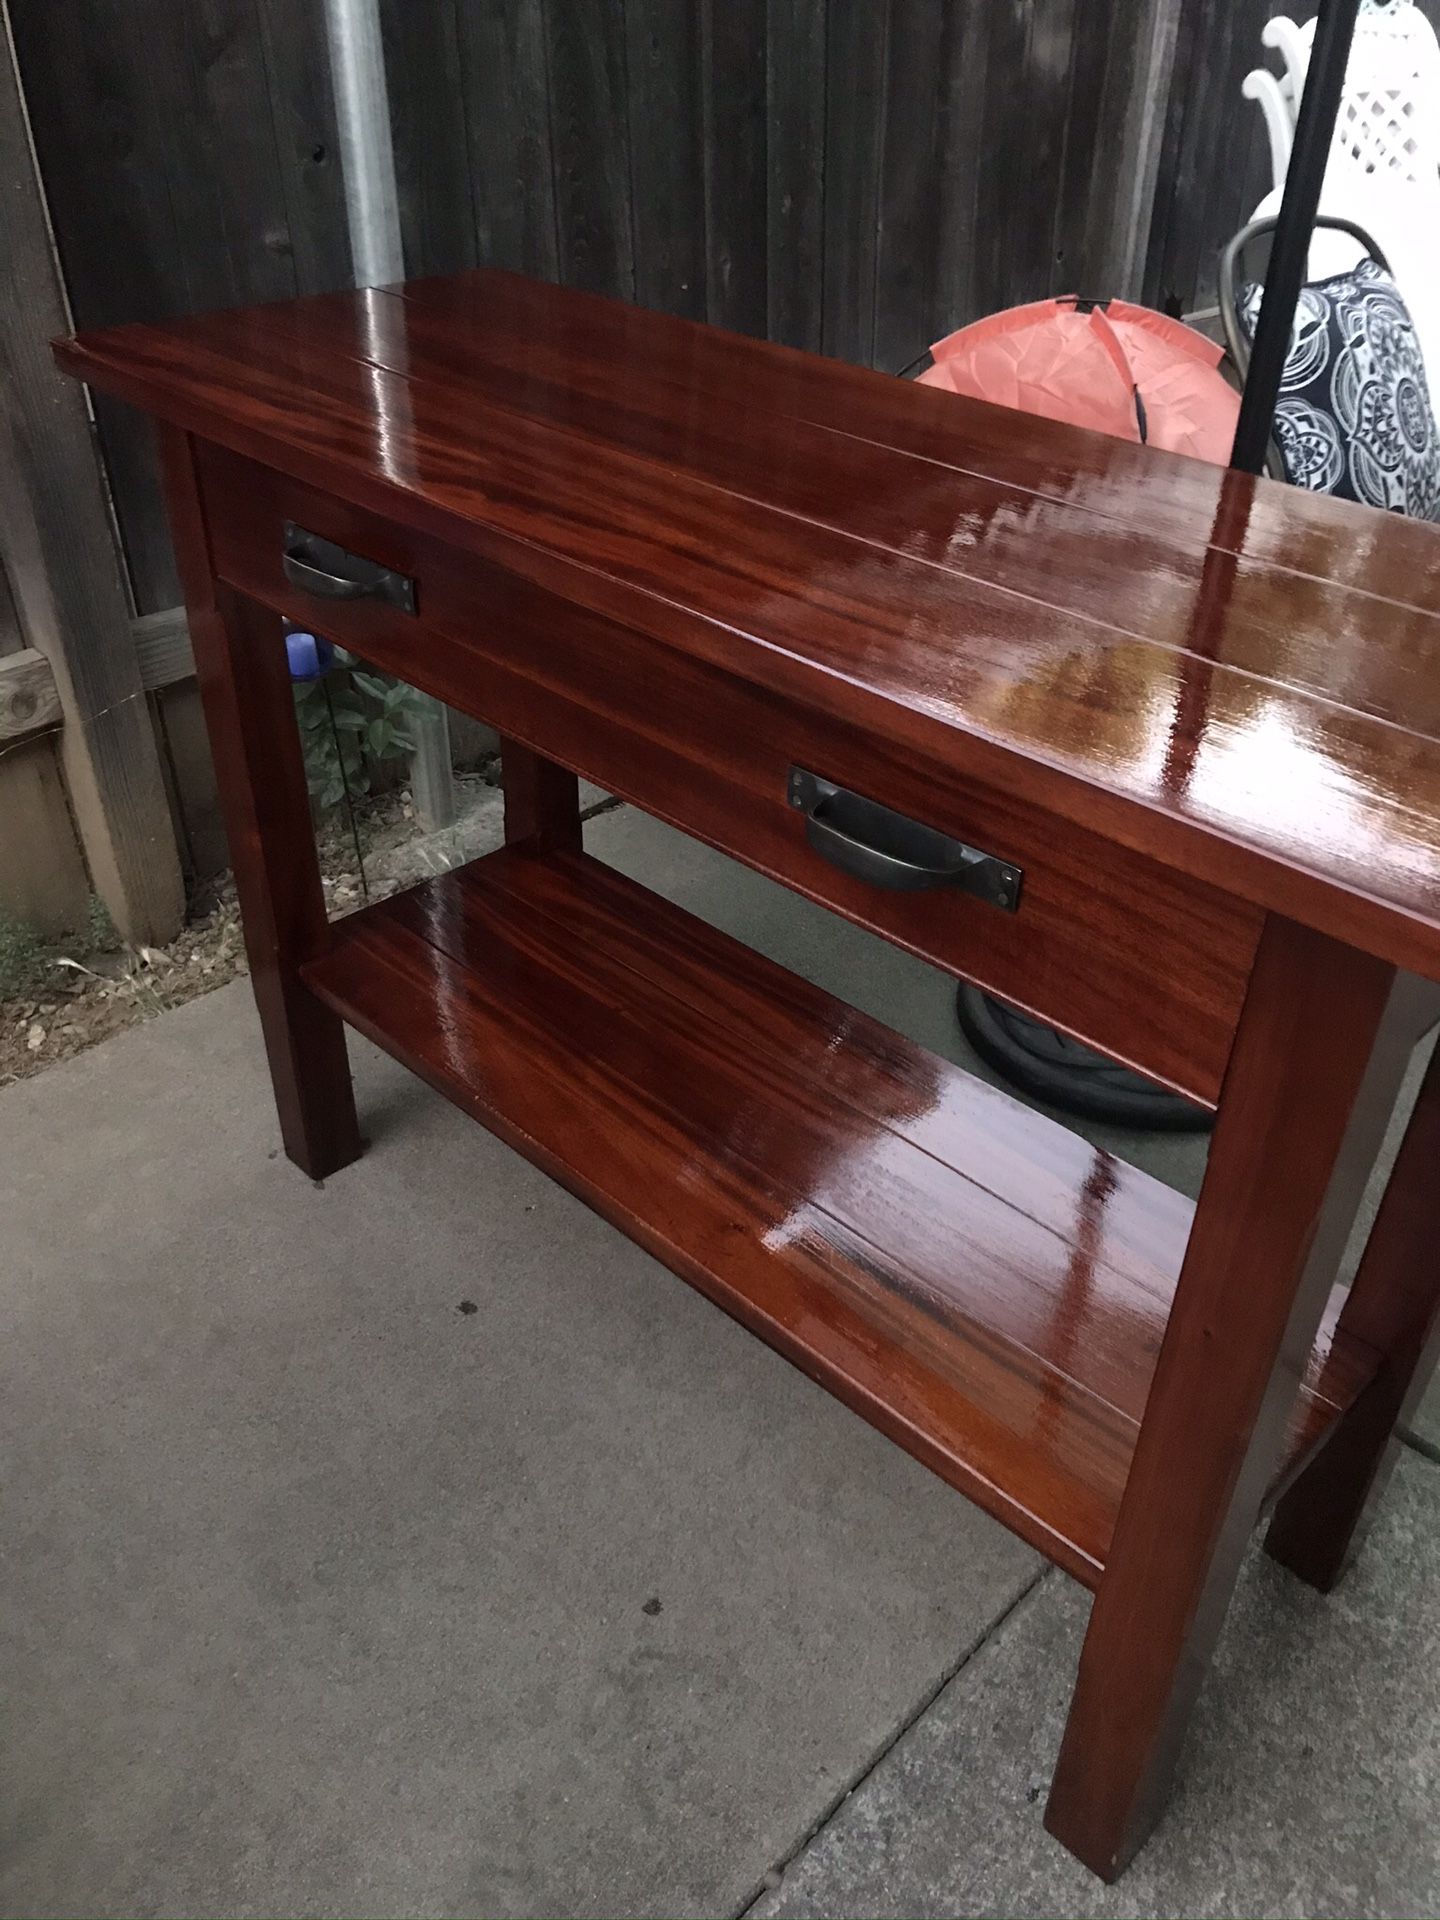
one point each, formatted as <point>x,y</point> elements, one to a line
<point>324,1594</point>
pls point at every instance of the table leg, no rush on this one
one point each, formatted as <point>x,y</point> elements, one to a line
<point>249,710</point>
<point>1322,1044</point>
<point>542,801</point>
<point>1394,1308</point>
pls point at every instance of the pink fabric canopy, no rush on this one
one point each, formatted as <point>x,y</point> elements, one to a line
<point>1086,364</point>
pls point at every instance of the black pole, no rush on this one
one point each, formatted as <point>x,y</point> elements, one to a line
<point>1290,248</point>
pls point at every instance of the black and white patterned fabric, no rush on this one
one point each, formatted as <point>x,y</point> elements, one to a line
<point>1354,416</point>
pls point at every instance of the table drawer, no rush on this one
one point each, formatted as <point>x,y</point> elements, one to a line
<point>1146,964</point>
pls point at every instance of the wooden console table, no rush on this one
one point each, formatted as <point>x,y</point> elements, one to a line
<point>1147,748</point>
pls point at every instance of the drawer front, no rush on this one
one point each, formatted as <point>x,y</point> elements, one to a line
<point>1145,964</point>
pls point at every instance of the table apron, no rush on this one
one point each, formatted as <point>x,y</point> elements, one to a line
<point>1146,964</point>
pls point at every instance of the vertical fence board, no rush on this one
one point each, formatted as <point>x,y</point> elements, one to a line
<point>667,162</point>
<point>795,99</point>
<point>1085,138</point>
<point>180,727</point>
<point>1005,128</point>
<point>736,143</point>
<point>1203,195</point>
<point>207,82</point>
<point>909,211</point>
<point>427,117</point>
<point>964,81</point>
<point>11,638</point>
<point>1022,150</point>
<point>178,147</point>
<point>1046,89</point>
<point>855,119</point>
<point>307,143</point>
<point>103,168</point>
<point>58,551</point>
<point>590,132</point>
<point>42,874</point>
<point>507,114</point>
<point>1116,183</point>
<point>119,243</point>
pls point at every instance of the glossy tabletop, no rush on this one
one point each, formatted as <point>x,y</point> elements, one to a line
<point>1234,676</point>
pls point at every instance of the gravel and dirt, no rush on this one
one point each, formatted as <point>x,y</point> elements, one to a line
<point>75,995</point>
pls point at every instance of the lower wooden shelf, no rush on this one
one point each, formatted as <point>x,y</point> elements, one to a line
<point>973,1278</point>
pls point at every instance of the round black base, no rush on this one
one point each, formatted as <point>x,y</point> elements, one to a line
<point>1051,1067</point>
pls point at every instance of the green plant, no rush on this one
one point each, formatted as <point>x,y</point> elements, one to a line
<point>23,959</point>
<point>350,720</point>
<point>101,935</point>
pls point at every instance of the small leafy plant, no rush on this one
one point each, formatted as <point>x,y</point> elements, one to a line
<point>100,931</point>
<point>24,962</point>
<point>372,717</point>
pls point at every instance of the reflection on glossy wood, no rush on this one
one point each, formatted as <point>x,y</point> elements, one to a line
<point>1285,1177</point>
<point>1201,712</point>
<point>983,525</point>
<point>973,1278</point>
<point>959,581</point>
<point>710,752</point>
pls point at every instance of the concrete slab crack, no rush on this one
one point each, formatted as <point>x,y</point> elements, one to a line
<point>773,1875</point>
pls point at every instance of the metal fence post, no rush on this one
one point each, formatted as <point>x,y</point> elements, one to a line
<point>367,154</point>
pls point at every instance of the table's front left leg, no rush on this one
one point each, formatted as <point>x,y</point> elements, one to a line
<point>1321,1048</point>
<point>244,682</point>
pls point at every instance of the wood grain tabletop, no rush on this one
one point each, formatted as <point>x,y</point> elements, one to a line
<point>1235,677</point>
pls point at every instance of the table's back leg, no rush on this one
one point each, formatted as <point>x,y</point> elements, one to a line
<point>249,709</point>
<point>542,801</point>
<point>1394,1308</point>
<point>1321,1048</point>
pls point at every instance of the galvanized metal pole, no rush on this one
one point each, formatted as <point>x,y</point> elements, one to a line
<point>367,154</point>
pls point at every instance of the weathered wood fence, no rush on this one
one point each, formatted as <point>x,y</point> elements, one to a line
<point>856,176</point>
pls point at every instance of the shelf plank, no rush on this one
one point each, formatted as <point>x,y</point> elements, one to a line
<point>978,1282</point>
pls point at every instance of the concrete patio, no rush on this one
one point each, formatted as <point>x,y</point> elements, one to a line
<point>419,1546</point>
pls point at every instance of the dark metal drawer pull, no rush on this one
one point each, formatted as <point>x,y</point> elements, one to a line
<point>885,848</point>
<point>331,573</point>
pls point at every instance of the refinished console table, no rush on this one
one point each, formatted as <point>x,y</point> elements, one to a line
<point>1150,749</point>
